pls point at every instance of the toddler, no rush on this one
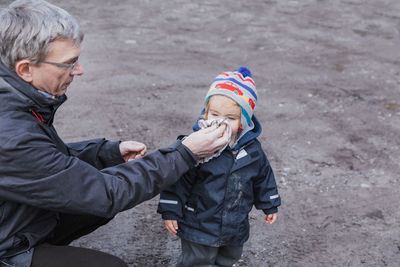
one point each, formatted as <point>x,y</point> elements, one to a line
<point>208,207</point>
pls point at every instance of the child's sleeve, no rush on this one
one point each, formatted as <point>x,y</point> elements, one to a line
<point>174,197</point>
<point>265,190</point>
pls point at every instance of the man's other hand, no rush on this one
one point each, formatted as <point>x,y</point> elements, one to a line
<point>131,150</point>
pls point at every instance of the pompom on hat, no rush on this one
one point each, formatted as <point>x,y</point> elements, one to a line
<point>240,87</point>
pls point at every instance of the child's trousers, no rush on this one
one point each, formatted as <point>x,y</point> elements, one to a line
<point>198,255</point>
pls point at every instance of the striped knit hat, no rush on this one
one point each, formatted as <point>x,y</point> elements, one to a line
<point>240,87</point>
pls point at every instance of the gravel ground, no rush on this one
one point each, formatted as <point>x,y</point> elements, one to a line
<point>328,78</point>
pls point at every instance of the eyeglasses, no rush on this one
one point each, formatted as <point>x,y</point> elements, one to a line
<point>71,67</point>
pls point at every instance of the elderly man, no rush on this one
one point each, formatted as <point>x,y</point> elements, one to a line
<point>51,192</point>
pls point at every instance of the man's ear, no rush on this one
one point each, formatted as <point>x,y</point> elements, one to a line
<point>24,70</point>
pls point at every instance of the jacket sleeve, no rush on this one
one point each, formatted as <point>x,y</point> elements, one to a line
<point>34,172</point>
<point>173,199</point>
<point>266,193</point>
<point>99,153</point>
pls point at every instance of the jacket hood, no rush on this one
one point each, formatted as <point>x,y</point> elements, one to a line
<point>23,96</point>
<point>243,139</point>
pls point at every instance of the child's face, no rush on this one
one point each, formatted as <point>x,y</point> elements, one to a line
<point>222,107</point>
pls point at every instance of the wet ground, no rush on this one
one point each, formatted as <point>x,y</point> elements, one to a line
<point>328,77</point>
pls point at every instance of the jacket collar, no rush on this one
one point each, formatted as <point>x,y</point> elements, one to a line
<point>250,135</point>
<point>28,97</point>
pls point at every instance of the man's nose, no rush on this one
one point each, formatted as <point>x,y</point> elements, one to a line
<point>78,69</point>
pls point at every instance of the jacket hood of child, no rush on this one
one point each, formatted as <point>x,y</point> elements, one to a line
<point>244,137</point>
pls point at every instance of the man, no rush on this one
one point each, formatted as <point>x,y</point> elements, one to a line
<point>51,192</point>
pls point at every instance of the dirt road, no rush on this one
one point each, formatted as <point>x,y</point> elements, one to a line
<point>328,77</point>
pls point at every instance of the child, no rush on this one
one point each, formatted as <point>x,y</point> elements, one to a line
<point>208,207</point>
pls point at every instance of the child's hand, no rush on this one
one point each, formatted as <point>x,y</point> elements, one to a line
<point>270,218</point>
<point>171,225</point>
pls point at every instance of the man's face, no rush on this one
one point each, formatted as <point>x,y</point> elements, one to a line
<point>56,79</point>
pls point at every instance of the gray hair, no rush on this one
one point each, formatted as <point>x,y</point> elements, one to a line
<point>27,27</point>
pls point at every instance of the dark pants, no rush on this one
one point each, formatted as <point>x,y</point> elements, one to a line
<point>56,252</point>
<point>194,254</point>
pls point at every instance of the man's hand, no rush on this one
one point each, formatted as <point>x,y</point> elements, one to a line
<point>204,143</point>
<point>171,225</point>
<point>131,150</point>
<point>270,218</point>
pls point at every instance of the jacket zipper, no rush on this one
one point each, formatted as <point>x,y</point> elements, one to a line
<point>223,204</point>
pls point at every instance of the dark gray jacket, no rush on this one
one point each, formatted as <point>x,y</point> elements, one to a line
<point>40,176</point>
<point>212,201</point>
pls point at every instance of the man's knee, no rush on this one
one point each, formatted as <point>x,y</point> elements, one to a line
<point>67,256</point>
<point>114,261</point>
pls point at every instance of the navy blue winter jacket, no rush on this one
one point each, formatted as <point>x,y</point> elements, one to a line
<point>212,201</point>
